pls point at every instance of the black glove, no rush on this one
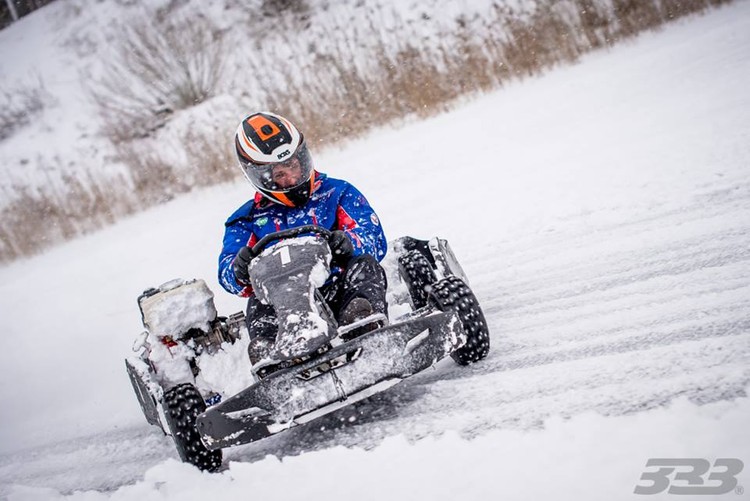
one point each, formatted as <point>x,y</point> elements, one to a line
<point>341,247</point>
<point>240,265</point>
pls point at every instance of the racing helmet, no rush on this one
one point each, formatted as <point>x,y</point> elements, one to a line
<point>274,158</point>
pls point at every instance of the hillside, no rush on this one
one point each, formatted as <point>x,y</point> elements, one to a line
<point>112,107</point>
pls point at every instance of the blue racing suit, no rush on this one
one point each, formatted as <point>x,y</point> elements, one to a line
<point>334,204</point>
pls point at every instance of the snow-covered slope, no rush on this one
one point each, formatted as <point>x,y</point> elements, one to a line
<point>603,217</point>
<point>109,108</point>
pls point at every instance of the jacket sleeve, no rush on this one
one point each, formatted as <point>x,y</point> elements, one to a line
<point>236,236</point>
<point>358,220</point>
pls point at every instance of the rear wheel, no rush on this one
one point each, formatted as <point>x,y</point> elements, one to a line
<point>452,293</point>
<point>182,405</point>
<point>418,274</point>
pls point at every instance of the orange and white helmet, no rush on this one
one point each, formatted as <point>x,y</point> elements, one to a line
<point>274,158</point>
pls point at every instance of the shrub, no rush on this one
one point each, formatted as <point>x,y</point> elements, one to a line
<point>158,67</point>
<point>19,104</point>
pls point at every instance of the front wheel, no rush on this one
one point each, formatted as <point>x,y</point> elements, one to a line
<point>452,293</point>
<point>182,405</point>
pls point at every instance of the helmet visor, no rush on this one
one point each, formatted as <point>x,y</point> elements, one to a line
<point>280,176</point>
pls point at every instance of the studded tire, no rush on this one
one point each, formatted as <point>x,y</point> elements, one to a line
<point>418,274</point>
<point>182,405</point>
<point>452,293</point>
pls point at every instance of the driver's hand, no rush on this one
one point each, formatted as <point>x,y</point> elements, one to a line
<point>341,247</point>
<point>240,265</point>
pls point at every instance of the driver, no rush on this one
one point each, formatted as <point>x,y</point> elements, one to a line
<point>273,156</point>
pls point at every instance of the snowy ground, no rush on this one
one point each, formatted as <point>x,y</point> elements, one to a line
<point>603,218</point>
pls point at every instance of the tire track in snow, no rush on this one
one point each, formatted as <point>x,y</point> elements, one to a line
<point>717,203</point>
<point>606,311</point>
<point>573,281</point>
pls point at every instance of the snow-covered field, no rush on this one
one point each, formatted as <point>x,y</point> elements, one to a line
<point>602,213</point>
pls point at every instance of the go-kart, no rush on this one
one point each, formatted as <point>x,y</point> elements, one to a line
<point>314,367</point>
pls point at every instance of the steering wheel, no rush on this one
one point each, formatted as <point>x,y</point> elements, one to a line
<point>290,233</point>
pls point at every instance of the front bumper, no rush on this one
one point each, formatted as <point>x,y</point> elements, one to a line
<point>345,374</point>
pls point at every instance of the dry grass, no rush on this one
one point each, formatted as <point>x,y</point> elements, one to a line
<point>36,221</point>
<point>416,82</point>
<point>211,155</point>
<point>325,92</point>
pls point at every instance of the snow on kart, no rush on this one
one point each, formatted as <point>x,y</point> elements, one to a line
<point>193,378</point>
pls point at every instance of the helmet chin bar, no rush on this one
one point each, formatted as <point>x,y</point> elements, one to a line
<point>296,197</point>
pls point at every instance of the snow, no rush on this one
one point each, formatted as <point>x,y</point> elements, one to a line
<point>178,307</point>
<point>168,314</point>
<point>227,372</point>
<point>603,218</point>
<point>566,459</point>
